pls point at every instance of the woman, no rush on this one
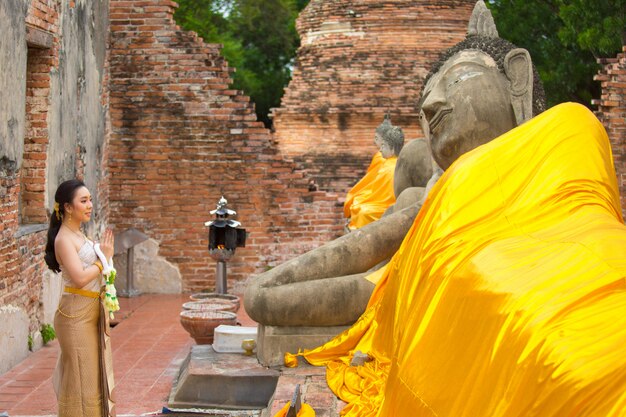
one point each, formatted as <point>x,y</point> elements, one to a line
<point>83,379</point>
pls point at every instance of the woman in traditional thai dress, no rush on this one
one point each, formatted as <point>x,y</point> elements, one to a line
<point>83,379</point>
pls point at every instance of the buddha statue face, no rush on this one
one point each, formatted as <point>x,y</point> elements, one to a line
<point>385,148</point>
<point>481,88</point>
<point>389,139</point>
<point>464,105</point>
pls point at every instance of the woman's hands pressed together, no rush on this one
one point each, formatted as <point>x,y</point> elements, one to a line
<point>107,244</point>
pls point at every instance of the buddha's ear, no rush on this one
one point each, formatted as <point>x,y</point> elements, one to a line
<point>518,68</point>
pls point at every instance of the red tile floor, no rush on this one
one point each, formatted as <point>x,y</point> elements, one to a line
<point>149,344</point>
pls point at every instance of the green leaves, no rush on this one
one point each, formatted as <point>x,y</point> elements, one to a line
<point>259,38</point>
<point>47,333</point>
<point>564,38</point>
<point>593,25</point>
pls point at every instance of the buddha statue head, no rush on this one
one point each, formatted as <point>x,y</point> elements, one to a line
<point>389,138</point>
<point>481,88</point>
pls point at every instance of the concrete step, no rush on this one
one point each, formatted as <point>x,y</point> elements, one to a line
<point>209,379</point>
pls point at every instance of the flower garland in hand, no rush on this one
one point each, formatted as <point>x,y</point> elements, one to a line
<point>108,271</point>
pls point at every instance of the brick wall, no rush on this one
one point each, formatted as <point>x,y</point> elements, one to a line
<point>22,200</point>
<point>357,61</point>
<point>181,138</point>
<point>56,119</point>
<point>612,113</point>
<point>42,26</point>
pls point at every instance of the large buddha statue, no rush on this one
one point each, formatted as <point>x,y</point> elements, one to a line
<point>482,88</point>
<point>507,297</point>
<point>374,193</point>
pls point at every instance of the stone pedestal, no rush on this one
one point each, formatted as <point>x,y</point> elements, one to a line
<point>209,379</point>
<point>274,341</point>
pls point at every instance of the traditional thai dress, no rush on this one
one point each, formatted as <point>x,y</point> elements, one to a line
<point>373,194</point>
<point>83,379</point>
<point>507,297</point>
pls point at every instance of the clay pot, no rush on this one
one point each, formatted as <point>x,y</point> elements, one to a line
<point>202,296</point>
<point>201,323</point>
<point>216,304</point>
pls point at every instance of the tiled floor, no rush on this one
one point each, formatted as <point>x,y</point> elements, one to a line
<point>149,345</point>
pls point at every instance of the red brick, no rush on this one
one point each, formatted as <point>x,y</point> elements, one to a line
<point>612,112</point>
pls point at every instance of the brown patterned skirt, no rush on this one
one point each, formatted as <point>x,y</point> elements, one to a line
<point>84,376</point>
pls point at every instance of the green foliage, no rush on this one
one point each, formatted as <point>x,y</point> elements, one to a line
<point>594,25</point>
<point>259,40</point>
<point>564,38</point>
<point>47,333</point>
<point>30,342</point>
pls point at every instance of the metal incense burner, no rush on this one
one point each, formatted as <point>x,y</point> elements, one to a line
<point>225,235</point>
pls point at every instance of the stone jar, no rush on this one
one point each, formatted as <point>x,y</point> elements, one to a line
<point>201,323</point>
<point>205,296</point>
<point>211,304</point>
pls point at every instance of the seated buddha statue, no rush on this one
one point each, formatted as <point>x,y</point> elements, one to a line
<point>374,193</point>
<point>332,284</point>
<point>507,297</point>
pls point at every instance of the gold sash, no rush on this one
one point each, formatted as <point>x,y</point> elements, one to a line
<point>84,293</point>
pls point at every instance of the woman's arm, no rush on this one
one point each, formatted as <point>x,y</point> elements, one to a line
<point>68,257</point>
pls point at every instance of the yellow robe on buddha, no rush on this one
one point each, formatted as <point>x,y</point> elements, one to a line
<point>507,297</point>
<point>369,198</point>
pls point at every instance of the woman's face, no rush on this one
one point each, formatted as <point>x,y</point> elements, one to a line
<point>81,206</point>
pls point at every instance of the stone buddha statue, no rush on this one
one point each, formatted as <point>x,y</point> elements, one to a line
<point>480,88</point>
<point>389,138</point>
<point>374,192</point>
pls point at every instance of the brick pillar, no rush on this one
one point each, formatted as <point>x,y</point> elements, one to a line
<point>357,61</point>
<point>612,112</point>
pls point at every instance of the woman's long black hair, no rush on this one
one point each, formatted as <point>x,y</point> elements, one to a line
<point>65,194</point>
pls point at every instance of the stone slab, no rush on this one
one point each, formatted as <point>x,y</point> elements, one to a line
<point>208,379</point>
<point>228,339</point>
<point>13,336</point>
<point>274,341</point>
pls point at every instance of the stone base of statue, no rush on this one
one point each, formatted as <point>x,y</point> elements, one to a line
<point>274,341</point>
<point>212,380</point>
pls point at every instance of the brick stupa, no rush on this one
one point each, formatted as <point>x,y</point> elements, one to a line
<point>358,60</point>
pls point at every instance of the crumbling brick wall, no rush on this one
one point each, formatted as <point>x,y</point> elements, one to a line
<point>34,37</point>
<point>181,138</point>
<point>612,112</point>
<point>52,118</point>
<point>358,61</point>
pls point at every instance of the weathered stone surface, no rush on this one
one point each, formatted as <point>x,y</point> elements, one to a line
<point>51,294</point>
<point>12,80</point>
<point>222,380</point>
<point>326,286</point>
<point>152,272</point>
<point>77,115</point>
<point>13,336</point>
<point>414,166</point>
<point>274,341</point>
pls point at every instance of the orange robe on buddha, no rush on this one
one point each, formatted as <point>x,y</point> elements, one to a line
<point>507,297</point>
<point>369,198</point>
